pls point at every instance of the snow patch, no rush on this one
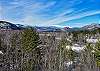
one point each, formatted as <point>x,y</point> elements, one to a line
<point>1,52</point>
<point>92,40</point>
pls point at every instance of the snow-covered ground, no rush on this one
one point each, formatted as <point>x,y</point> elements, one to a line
<point>1,52</point>
<point>78,48</point>
<point>75,47</point>
<point>68,63</point>
<point>92,40</point>
<point>68,47</point>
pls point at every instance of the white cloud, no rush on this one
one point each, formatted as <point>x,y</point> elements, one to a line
<point>0,8</point>
<point>61,19</point>
<point>68,11</point>
<point>42,5</point>
<point>37,7</point>
<point>31,5</point>
<point>33,20</point>
<point>38,20</point>
<point>29,11</point>
<point>33,14</point>
<point>15,3</point>
<point>1,13</point>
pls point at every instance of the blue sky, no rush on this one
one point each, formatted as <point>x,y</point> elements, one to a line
<point>60,13</point>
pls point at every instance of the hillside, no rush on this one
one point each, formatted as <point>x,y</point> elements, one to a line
<point>7,25</point>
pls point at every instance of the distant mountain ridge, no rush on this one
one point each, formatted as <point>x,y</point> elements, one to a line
<point>90,27</point>
<point>7,25</point>
<point>46,29</point>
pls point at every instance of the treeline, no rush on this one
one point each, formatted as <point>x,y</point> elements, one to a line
<point>25,50</point>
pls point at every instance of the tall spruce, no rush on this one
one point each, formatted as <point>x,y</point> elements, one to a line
<point>29,43</point>
<point>30,39</point>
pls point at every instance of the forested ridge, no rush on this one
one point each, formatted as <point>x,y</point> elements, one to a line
<point>29,50</point>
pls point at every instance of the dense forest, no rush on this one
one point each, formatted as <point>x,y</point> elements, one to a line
<point>29,50</point>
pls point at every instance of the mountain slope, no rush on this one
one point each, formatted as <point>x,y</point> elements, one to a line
<point>91,27</point>
<point>7,25</point>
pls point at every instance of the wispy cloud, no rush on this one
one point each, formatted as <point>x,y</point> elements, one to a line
<point>30,20</point>
<point>63,19</point>
<point>37,19</point>
<point>42,5</point>
<point>68,11</point>
<point>0,12</point>
<point>31,5</point>
<point>47,12</point>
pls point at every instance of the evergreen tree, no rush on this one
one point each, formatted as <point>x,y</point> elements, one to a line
<point>97,53</point>
<point>30,39</point>
<point>29,43</point>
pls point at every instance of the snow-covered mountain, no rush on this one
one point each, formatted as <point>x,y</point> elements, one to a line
<point>87,27</point>
<point>7,25</point>
<point>20,26</point>
<point>91,27</point>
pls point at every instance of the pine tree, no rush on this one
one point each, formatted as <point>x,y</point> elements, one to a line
<point>30,39</point>
<point>97,53</point>
<point>29,43</point>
